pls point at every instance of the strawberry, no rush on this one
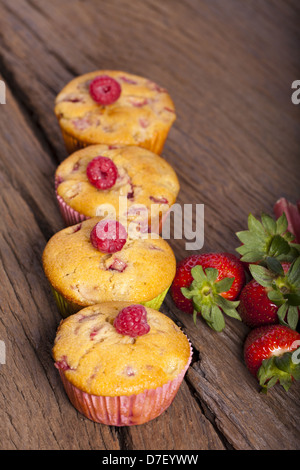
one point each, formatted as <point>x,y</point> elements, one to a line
<point>268,239</point>
<point>271,354</point>
<point>273,296</point>
<point>292,212</point>
<point>208,284</point>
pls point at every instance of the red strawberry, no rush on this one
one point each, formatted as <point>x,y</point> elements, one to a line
<point>255,307</point>
<point>269,356</point>
<point>273,296</point>
<point>208,284</point>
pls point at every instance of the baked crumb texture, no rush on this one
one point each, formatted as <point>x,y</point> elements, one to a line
<point>141,271</point>
<point>143,114</point>
<point>98,360</point>
<point>145,189</point>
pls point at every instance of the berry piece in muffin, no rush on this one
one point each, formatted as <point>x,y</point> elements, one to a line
<point>132,321</point>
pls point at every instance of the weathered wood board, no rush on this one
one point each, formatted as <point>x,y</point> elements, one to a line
<point>229,66</point>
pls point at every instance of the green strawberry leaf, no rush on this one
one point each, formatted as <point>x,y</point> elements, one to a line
<point>205,292</point>
<point>273,370</point>
<point>293,274</point>
<point>268,238</point>
<point>281,224</point>
<point>187,292</point>
<point>262,275</point>
<point>217,320</point>
<point>250,256</point>
<point>274,265</point>
<point>224,284</point>
<point>255,226</point>
<point>276,297</point>
<point>278,246</point>
<point>198,273</point>
<point>286,364</point>
<point>268,223</point>
<point>212,274</point>
<point>292,317</point>
<point>228,306</point>
<point>281,312</point>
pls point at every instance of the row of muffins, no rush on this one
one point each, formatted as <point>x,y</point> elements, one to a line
<point>110,265</point>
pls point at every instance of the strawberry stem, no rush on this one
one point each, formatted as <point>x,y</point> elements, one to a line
<point>206,293</point>
<point>279,369</point>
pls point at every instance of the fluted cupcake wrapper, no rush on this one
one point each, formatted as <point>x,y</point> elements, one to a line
<point>72,217</point>
<point>69,215</point>
<point>155,143</point>
<point>67,308</point>
<point>125,410</point>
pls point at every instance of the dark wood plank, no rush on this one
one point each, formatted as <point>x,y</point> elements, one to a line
<point>32,396</point>
<point>235,146</point>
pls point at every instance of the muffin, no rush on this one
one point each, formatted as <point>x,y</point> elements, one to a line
<point>109,107</point>
<point>100,260</point>
<point>118,374</point>
<point>124,181</point>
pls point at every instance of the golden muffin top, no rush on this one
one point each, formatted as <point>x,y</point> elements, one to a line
<point>99,360</point>
<point>142,109</point>
<point>139,272</point>
<point>145,181</point>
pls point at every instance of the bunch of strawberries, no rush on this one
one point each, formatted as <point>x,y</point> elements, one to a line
<point>261,287</point>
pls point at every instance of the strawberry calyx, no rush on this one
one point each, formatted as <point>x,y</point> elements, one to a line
<point>206,294</point>
<point>282,287</point>
<point>267,239</point>
<point>281,369</point>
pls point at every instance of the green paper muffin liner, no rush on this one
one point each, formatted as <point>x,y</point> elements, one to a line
<point>67,308</point>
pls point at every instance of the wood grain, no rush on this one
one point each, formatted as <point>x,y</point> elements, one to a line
<point>235,146</point>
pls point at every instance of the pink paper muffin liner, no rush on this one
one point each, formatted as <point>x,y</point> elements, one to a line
<point>72,217</point>
<point>125,410</point>
<point>69,215</point>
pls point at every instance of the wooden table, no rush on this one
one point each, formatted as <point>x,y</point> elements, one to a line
<point>229,66</point>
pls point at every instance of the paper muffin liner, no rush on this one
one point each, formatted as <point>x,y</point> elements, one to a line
<point>125,410</point>
<point>72,217</point>
<point>69,215</point>
<point>155,143</point>
<point>67,308</point>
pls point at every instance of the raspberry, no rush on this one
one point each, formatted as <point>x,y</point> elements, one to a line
<point>118,265</point>
<point>108,236</point>
<point>132,321</point>
<point>62,364</point>
<point>102,172</point>
<point>159,200</point>
<point>104,90</point>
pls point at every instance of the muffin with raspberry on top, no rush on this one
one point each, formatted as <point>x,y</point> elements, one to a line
<point>129,181</point>
<point>120,363</point>
<point>100,260</point>
<point>111,106</point>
